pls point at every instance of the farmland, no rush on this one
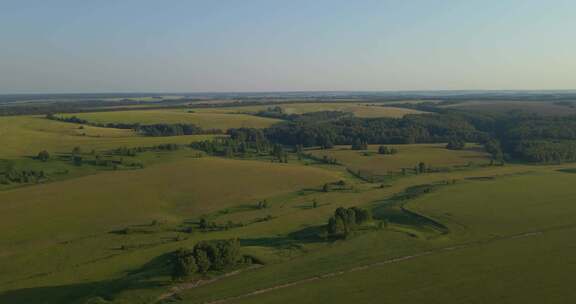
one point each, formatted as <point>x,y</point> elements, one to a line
<point>100,219</point>
<point>408,156</point>
<point>202,118</point>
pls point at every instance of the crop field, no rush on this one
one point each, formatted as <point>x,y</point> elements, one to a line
<point>203,118</point>
<point>408,156</point>
<point>28,135</point>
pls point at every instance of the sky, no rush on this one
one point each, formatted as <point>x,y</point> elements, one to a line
<point>66,46</point>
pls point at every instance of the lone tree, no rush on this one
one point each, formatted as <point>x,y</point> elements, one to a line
<point>43,155</point>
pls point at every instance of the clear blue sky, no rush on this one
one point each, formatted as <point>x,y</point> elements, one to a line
<point>267,45</point>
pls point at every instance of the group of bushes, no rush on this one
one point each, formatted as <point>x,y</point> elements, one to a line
<point>346,220</point>
<point>22,176</point>
<point>214,255</point>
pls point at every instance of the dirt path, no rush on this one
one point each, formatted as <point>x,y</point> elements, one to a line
<point>377,264</point>
<point>194,284</point>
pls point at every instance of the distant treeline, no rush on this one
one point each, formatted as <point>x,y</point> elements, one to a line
<point>146,130</point>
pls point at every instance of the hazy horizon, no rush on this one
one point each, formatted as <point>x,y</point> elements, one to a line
<point>264,46</point>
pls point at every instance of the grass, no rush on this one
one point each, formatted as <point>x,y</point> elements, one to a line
<point>358,109</point>
<point>484,268</point>
<point>28,135</point>
<point>408,156</point>
<point>57,245</point>
<point>203,118</point>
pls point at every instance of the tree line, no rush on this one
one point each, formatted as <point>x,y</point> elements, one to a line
<point>159,129</point>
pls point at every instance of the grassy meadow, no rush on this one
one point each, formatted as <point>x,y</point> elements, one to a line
<point>493,253</point>
<point>87,235</point>
<point>27,135</point>
<point>408,156</point>
<point>203,118</point>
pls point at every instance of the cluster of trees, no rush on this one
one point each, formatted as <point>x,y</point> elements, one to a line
<point>539,138</point>
<point>387,150</point>
<point>173,130</point>
<point>22,176</point>
<point>243,143</point>
<point>425,128</point>
<point>94,158</point>
<point>455,144</point>
<point>215,255</point>
<point>345,220</point>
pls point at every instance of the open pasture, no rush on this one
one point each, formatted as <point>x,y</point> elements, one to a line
<point>507,236</point>
<point>203,118</point>
<point>358,109</point>
<point>27,135</point>
<point>408,156</point>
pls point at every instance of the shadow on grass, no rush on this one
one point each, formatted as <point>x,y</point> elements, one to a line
<point>312,234</point>
<point>101,292</point>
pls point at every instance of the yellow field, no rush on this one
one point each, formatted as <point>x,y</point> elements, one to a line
<point>28,135</point>
<point>358,109</point>
<point>204,118</point>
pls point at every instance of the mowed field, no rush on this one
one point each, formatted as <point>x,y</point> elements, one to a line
<point>27,135</point>
<point>203,118</point>
<point>508,244</point>
<point>408,156</point>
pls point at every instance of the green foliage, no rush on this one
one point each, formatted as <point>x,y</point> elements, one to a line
<point>387,150</point>
<point>43,155</point>
<point>345,220</point>
<point>184,264</point>
<point>214,255</point>
<point>455,144</point>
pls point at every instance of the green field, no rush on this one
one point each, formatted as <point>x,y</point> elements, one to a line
<point>408,156</point>
<point>499,236</point>
<point>358,109</point>
<point>203,118</point>
<point>28,135</point>
<point>92,234</point>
